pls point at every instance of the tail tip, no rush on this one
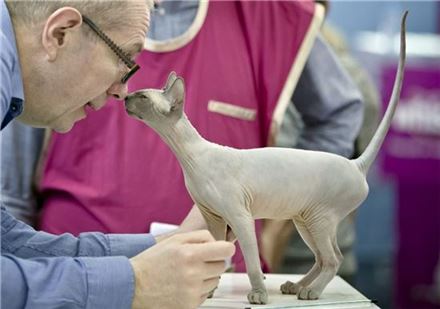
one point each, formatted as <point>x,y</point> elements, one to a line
<point>405,14</point>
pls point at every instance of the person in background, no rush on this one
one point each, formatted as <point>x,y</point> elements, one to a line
<point>54,63</point>
<point>238,81</point>
<point>287,252</point>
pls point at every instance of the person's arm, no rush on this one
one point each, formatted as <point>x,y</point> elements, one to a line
<point>178,272</point>
<point>329,103</point>
<point>21,240</point>
<point>65,282</point>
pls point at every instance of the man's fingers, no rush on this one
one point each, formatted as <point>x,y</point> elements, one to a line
<point>209,285</point>
<point>213,269</point>
<point>203,298</point>
<point>201,236</point>
<point>214,251</point>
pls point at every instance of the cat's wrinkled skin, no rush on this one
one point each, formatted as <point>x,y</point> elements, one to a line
<point>232,187</point>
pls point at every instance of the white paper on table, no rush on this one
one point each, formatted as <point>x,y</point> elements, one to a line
<point>233,289</point>
<point>159,228</point>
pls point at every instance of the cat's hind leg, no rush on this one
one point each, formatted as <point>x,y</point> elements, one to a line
<point>323,232</point>
<point>290,287</point>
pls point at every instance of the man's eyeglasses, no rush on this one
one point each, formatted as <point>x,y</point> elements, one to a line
<point>132,66</point>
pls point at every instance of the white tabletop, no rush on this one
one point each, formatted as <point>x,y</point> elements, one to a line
<point>233,289</point>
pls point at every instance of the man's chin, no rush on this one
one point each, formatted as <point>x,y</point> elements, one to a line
<point>66,123</point>
<point>62,126</point>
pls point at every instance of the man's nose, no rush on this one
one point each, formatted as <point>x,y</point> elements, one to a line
<point>118,90</point>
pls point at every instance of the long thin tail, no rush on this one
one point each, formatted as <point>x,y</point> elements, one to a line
<point>367,157</point>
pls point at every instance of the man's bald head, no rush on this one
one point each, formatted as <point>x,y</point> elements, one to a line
<point>107,14</point>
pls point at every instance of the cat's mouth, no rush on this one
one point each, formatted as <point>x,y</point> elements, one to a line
<point>131,113</point>
<point>129,107</point>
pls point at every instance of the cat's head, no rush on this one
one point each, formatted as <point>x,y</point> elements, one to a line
<point>158,107</point>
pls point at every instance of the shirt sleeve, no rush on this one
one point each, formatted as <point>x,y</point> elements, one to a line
<point>330,105</point>
<point>65,282</point>
<point>23,241</point>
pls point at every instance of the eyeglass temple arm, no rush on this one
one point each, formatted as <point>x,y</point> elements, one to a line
<point>131,64</point>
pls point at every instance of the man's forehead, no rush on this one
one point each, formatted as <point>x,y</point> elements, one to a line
<point>132,37</point>
<point>136,40</point>
<point>133,45</point>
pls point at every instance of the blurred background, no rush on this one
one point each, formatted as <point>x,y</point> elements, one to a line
<point>398,226</point>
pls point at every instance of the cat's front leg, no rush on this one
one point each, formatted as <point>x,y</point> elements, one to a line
<point>217,227</point>
<point>243,227</point>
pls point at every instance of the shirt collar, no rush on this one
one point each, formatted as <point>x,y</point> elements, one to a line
<point>8,31</point>
<point>13,83</point>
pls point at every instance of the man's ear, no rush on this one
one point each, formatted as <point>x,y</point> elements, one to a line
<point>176,93</point>
<point>171,78</point>
<point>57,29</point>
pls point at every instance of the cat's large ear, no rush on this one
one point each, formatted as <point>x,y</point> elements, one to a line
<point>175,94</point>
<point>171,78</point>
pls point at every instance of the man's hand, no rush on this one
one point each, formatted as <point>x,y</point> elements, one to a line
<point>179,271</point>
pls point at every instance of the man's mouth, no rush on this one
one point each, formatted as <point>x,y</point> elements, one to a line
<point>93,106</point>
<point>88,107</point>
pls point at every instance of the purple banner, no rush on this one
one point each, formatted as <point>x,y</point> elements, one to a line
<point>411,155</point>
<point>412,148</point>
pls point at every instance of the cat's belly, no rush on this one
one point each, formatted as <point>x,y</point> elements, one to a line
<point>277,207</point>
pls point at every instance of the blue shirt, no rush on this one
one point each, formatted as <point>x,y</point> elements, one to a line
<point>11,91</point>
<point>41,270</point>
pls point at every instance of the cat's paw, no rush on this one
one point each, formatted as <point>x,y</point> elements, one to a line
<point>258,297</point>
<point>289,288</point>
<point>308,293</point>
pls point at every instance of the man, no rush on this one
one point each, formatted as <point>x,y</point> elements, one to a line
<point>54,63</point>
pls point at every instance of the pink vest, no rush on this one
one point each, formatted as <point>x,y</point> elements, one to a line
<point>240,62</point>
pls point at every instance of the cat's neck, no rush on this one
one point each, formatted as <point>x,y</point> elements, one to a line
<point>184,141</point>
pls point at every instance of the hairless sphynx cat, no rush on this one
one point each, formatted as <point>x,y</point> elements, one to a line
<point>232,187</point>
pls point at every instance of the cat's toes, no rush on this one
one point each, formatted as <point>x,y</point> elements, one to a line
<point>289,288</point>
<point>258,297</point>
<point>308,293</point>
